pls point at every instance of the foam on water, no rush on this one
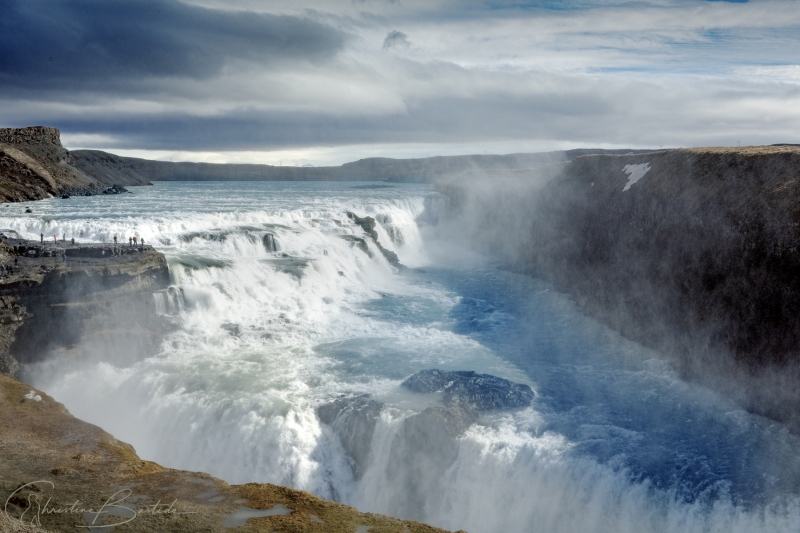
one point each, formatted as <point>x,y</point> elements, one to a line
<point>263,342</point>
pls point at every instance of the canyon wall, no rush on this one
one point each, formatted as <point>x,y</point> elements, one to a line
<point>695,253</point>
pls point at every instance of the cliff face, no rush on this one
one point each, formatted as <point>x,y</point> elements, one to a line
<point>60,296</point>
<point>34,165</point>
<point>695,253</point>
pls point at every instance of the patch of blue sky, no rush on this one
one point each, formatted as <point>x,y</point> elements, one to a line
<point>559,5</point>
<point>573,5</point>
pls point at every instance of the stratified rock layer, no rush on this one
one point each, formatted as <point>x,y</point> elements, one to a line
<point>34,165</point>
<point>61,296</point>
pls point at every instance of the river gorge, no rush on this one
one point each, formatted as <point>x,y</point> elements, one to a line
<point>285,359</point>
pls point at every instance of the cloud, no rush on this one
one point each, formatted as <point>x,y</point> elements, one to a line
<point>395,39</point>
<point>215,75</point>
<point>101,43</point>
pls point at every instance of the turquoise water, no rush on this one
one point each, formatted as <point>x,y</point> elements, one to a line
<point>614,440</point>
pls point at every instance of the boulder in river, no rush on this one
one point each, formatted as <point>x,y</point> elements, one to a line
<point>483,391</point>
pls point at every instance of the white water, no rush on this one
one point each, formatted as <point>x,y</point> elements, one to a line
<point>613,442</point>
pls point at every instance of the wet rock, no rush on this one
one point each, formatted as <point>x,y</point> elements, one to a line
<point>394,232</point>
<point>359,242</point>
<point>367,224</point>
<point>232,329</point>
<point>270,244</point>
<point>434,431</point>
<point>294,266</point>
<point>483,391</point>
<point>353,419</point>
<point>390,256</point>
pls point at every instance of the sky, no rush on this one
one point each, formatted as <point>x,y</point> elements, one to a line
<point>324,82</point>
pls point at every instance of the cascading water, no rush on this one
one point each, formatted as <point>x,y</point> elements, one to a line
<point>272,332</point>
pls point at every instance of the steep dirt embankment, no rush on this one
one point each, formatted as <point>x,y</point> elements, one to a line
<point>61,472</point>
<point>693,252</point>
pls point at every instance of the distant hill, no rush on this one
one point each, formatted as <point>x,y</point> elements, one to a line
<point>110,167</point>
<point>34,165</point>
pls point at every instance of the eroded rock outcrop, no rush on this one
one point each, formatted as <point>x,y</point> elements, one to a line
<point>353,419</point>
<point>34,165</point>
<point>269,242</point>
<point>59,296</point>
<point>368,224</point>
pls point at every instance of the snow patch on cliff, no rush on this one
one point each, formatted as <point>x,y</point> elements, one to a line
<point>635,173</point>
<point>33,396</point>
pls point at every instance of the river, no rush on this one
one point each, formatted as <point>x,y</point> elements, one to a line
<point>614,441</point>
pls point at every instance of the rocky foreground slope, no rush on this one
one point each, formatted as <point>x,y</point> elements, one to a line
<point>59,472</point>
<point>693,252</point>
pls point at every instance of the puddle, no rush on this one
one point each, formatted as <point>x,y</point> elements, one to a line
<point>116,516</point>
<point>363,529</point>
<point>240,516</point>
<point>315,518</point>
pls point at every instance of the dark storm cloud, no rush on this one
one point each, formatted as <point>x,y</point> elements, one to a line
<point>167,75</point>
<point>90,43</point>
<point>396,38</point>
